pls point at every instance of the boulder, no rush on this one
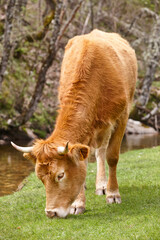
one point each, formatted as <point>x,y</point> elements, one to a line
<point>136,127</point>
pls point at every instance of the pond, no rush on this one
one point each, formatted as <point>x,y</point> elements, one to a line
<point>139,141</point>
<point>14,168</point>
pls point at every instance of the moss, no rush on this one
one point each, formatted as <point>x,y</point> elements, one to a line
<point>156,84</point>
<point>48,19</point>
<point>141,74</point>
<point>6,103</point>
<point>40,133</point>
<point>20,51</point>
<point>145,3</point>
<point>154,95</point>
<point>150,105</point>
<point>42,121</point>
<point>134,113</point>
<point>1,28</point>
<point>3,124</point>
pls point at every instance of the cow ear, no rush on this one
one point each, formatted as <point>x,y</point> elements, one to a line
<point>30,156</point>
<point>80,151</point>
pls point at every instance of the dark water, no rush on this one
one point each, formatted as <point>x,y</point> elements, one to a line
<point>134,141</point>
<point>14,168</point>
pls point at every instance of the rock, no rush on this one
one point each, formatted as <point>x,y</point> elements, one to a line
<point>136,127</point>
<point>2,142</point>
<point>9,121</point>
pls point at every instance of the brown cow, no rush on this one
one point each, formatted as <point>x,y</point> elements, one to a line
<point>97,84</point>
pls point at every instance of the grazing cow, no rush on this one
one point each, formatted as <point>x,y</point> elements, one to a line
<point>97,84</point>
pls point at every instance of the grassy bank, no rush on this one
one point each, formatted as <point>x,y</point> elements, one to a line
<point>138,217</point>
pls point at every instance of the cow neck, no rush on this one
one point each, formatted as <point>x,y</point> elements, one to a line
<point>74,124</point>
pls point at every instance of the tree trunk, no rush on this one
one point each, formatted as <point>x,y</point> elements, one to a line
<point>7,35</point>
<point>53,47</point>
<point>45,65</point>
<point>152,61</point>
<point>50,6</point>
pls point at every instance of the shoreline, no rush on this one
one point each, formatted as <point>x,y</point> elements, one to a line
<point>16,134</point>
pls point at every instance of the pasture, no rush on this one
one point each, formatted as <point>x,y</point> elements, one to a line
<point>138,217</point>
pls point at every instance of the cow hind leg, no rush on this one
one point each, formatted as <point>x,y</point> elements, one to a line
<point>113,150</point>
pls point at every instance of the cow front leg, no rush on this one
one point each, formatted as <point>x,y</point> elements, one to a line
<point>78,206</point>
<point>113,195</point>
<point>101,181</point>
<point>113,150</point>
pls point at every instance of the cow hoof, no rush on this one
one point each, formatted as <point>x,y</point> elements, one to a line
<point>76,211</point>
<point>101,187</point>
<point>113,199</point>
<point>118,200</point>
<point>101,192</point>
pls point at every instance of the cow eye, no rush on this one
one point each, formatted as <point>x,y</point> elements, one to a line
<point>60,176</point>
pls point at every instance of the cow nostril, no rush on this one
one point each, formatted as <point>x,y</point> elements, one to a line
<point>51,214</point>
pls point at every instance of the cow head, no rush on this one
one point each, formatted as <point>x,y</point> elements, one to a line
<point>62,171</point>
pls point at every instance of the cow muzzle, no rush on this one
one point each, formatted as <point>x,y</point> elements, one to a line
<point>57,212</point>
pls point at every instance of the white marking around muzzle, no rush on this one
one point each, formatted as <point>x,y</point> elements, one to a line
<point>60,212</point>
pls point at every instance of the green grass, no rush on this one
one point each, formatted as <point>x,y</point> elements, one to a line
<point>138,217</point>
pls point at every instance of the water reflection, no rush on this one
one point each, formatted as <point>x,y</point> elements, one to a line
<point>134,141</point>
<point>14,168</point>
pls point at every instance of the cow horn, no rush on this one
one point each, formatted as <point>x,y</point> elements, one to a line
<point>63,150</point>
<point>22,149</point>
